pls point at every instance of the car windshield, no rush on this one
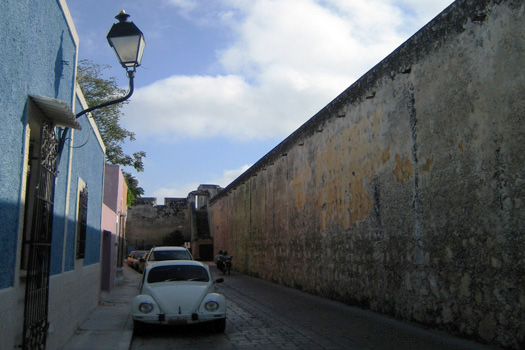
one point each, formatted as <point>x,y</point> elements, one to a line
<point>160,255</point>
<point>178,273</point>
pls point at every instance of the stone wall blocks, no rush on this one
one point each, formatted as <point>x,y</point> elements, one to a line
<point>412,200</point>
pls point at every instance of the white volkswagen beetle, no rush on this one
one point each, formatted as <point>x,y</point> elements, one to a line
<point>178,292</point>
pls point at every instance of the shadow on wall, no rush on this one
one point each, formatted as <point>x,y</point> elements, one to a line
<point>9,214</point>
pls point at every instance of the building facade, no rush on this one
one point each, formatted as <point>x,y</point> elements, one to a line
<point>114,214</point>
<point>149,224</point>
<point>51,181</point>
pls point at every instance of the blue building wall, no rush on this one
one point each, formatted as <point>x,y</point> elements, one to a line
<point>38,57</point>
<point>60,222</point>
<point>87,165</point>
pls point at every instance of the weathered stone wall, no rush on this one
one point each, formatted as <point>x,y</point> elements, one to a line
<point>406,193</point>
<point>147,223</point>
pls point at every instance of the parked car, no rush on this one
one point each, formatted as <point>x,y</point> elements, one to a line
<point>168,253</point>
<point>132,258</point>
<point>178,292</point>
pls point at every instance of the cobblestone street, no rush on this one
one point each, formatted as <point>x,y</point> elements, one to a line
<point>264,315</point>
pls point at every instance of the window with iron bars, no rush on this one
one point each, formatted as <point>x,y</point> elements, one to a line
<point>82,223</point>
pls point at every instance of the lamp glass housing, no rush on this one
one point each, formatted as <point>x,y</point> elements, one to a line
<point>128,42</point>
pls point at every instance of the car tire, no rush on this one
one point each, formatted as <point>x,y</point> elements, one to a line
<point>219,325</point>
<point>139,327</point>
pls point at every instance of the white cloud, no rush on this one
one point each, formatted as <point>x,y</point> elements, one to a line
<point>202,12</point>
<point>181,191</point>
<point>174,191</point>
<point>225,106</point>
<point>424,11</point>
<point>289,59</point>
<point>184,5</point>
<point>229,175</point>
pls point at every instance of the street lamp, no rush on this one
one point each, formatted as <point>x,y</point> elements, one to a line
<point>128,42</point>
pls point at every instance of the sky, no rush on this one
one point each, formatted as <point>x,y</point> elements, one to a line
<point>222,82</point>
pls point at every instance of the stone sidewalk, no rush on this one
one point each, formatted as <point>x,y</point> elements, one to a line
<point>110,326</point>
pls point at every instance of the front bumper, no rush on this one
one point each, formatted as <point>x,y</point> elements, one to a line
<point>178,319</point>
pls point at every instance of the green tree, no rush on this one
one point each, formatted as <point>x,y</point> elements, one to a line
<point>134,191</point>
<point>97,90</point>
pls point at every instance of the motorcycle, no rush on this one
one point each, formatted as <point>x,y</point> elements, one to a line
<point>224,263</point>
<point>227,264</point>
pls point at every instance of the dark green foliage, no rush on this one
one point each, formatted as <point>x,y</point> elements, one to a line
<point>97,90</point>
<point>174,238</point>
<point>134,191</point>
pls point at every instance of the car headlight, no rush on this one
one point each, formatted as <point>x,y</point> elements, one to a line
<point>145,308</point>
<point>211,306</point>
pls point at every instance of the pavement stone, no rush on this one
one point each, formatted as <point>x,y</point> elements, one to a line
<point>252,324</point>
<point>109,327</point>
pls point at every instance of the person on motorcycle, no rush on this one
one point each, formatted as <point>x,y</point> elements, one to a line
<point>227,262</point>
<point>219,260</point>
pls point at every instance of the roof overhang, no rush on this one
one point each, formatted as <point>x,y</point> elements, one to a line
<point>57,111</point>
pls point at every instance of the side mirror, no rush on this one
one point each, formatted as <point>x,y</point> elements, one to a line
<point>219,280</point>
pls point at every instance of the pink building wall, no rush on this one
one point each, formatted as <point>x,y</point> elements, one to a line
<point>113,225</point>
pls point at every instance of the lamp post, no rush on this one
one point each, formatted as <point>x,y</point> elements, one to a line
<point>128,42</point>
